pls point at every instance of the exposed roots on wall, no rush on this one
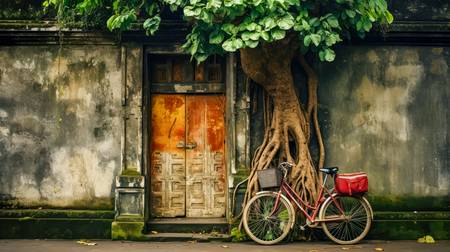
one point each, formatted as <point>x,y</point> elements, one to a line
<point>289,123</point>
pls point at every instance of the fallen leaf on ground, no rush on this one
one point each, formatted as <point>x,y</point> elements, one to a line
<point>224,246</point>
<point>154,232</point>
<point>86,243</point>
<point>426,239</point>
<point>193,241</point>
<point>379,249</point>
<point>314,250</point>
<point>345,248</point>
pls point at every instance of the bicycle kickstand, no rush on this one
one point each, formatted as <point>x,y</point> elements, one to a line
<point>303,227</point>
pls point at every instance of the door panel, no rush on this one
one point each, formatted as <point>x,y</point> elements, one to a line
<point>205,172</point>
<point>168,170</point>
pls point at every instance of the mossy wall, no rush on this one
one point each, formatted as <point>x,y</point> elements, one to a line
<point>60,125</point>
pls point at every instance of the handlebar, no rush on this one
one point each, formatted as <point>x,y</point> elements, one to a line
<point>285,167</point>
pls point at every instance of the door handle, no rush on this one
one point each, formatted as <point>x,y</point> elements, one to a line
<point>191,145</point>
<point>181,144</point>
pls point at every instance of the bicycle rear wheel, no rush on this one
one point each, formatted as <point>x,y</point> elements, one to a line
<point>358,218</point>
<point>260,225</point>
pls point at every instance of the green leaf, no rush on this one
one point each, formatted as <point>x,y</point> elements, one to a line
<point>252,26</point>
<point>266,36</point>
<point>191,11</point>
<point>350,13</point>
<point>255,35</point>
<point>367,25</point>
<point>245,35</point>
<point>110,22</point>
<point>214,3</point>
<point>315,38</point>
<point>329,55</point>
<point>229,29</point>
<point>269,23</point>
<point>238,43</point>
<point>333,22</point>
<point>389,17</point>
<point>228,45</point>
<point>286,22</point>
<point>278,34</point>
<point>314,22</point>
<point>232,44</point>
<point>307,40</point>
<point>305,25</point>
<point>200,57</point>
<point>216,37</point>
<point>250,35</point>
<point>151,25</point>
<point>359,25</point>
<point>330,40</point>
<point>251,43</point>
<point>322,55</point>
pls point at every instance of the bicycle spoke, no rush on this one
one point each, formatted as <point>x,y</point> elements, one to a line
<point>356,222</point>
<point>266,223</point>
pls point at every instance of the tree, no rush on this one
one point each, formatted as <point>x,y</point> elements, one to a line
<point>269,34</point>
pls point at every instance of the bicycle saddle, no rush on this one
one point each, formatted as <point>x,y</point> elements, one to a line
<point>330,170</point>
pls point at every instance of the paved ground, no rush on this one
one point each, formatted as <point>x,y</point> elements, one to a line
<point>118,246</point>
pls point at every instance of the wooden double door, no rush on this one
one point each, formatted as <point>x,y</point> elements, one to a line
<point>187,155</point>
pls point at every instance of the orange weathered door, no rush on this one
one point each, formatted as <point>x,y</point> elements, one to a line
<point>205,163</point>
<point>168,161</point>
<point>187,155</point>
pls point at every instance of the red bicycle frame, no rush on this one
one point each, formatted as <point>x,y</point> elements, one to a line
<point>294,197</point>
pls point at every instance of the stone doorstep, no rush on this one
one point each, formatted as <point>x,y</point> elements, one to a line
<point>188,225</point>
<point>187,237</point>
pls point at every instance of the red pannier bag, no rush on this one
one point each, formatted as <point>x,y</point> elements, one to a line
<point>351,183</point>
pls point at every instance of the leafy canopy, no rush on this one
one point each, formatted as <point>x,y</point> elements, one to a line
<point>229,25</point>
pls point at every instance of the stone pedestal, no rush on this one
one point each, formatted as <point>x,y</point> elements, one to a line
<point>129,208</point>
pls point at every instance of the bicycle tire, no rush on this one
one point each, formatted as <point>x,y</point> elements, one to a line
<point>271,230</point>
<point>349,231</point>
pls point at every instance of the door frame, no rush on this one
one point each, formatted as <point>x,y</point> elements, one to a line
<point>230,131</point>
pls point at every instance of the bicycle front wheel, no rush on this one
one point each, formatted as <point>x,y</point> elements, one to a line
<point>264,224</point>
<point>357,218</point>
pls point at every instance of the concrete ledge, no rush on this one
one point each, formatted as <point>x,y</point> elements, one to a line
<point>54,228</point>
<point>409,229</point>
<point>55,224</point>
<point>408,225</point>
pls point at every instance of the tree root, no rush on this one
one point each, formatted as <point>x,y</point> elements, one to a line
<point>288,122</point>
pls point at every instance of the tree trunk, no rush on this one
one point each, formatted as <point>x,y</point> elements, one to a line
<point>287,133</point>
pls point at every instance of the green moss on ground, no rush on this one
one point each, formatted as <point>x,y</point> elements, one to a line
<point>127,231</point>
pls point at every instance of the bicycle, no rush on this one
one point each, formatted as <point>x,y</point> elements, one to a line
<point>269,216</point>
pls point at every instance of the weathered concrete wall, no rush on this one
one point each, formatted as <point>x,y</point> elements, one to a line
<point>413,10</point>
<point>385,110</point>
<point>60,125</point>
